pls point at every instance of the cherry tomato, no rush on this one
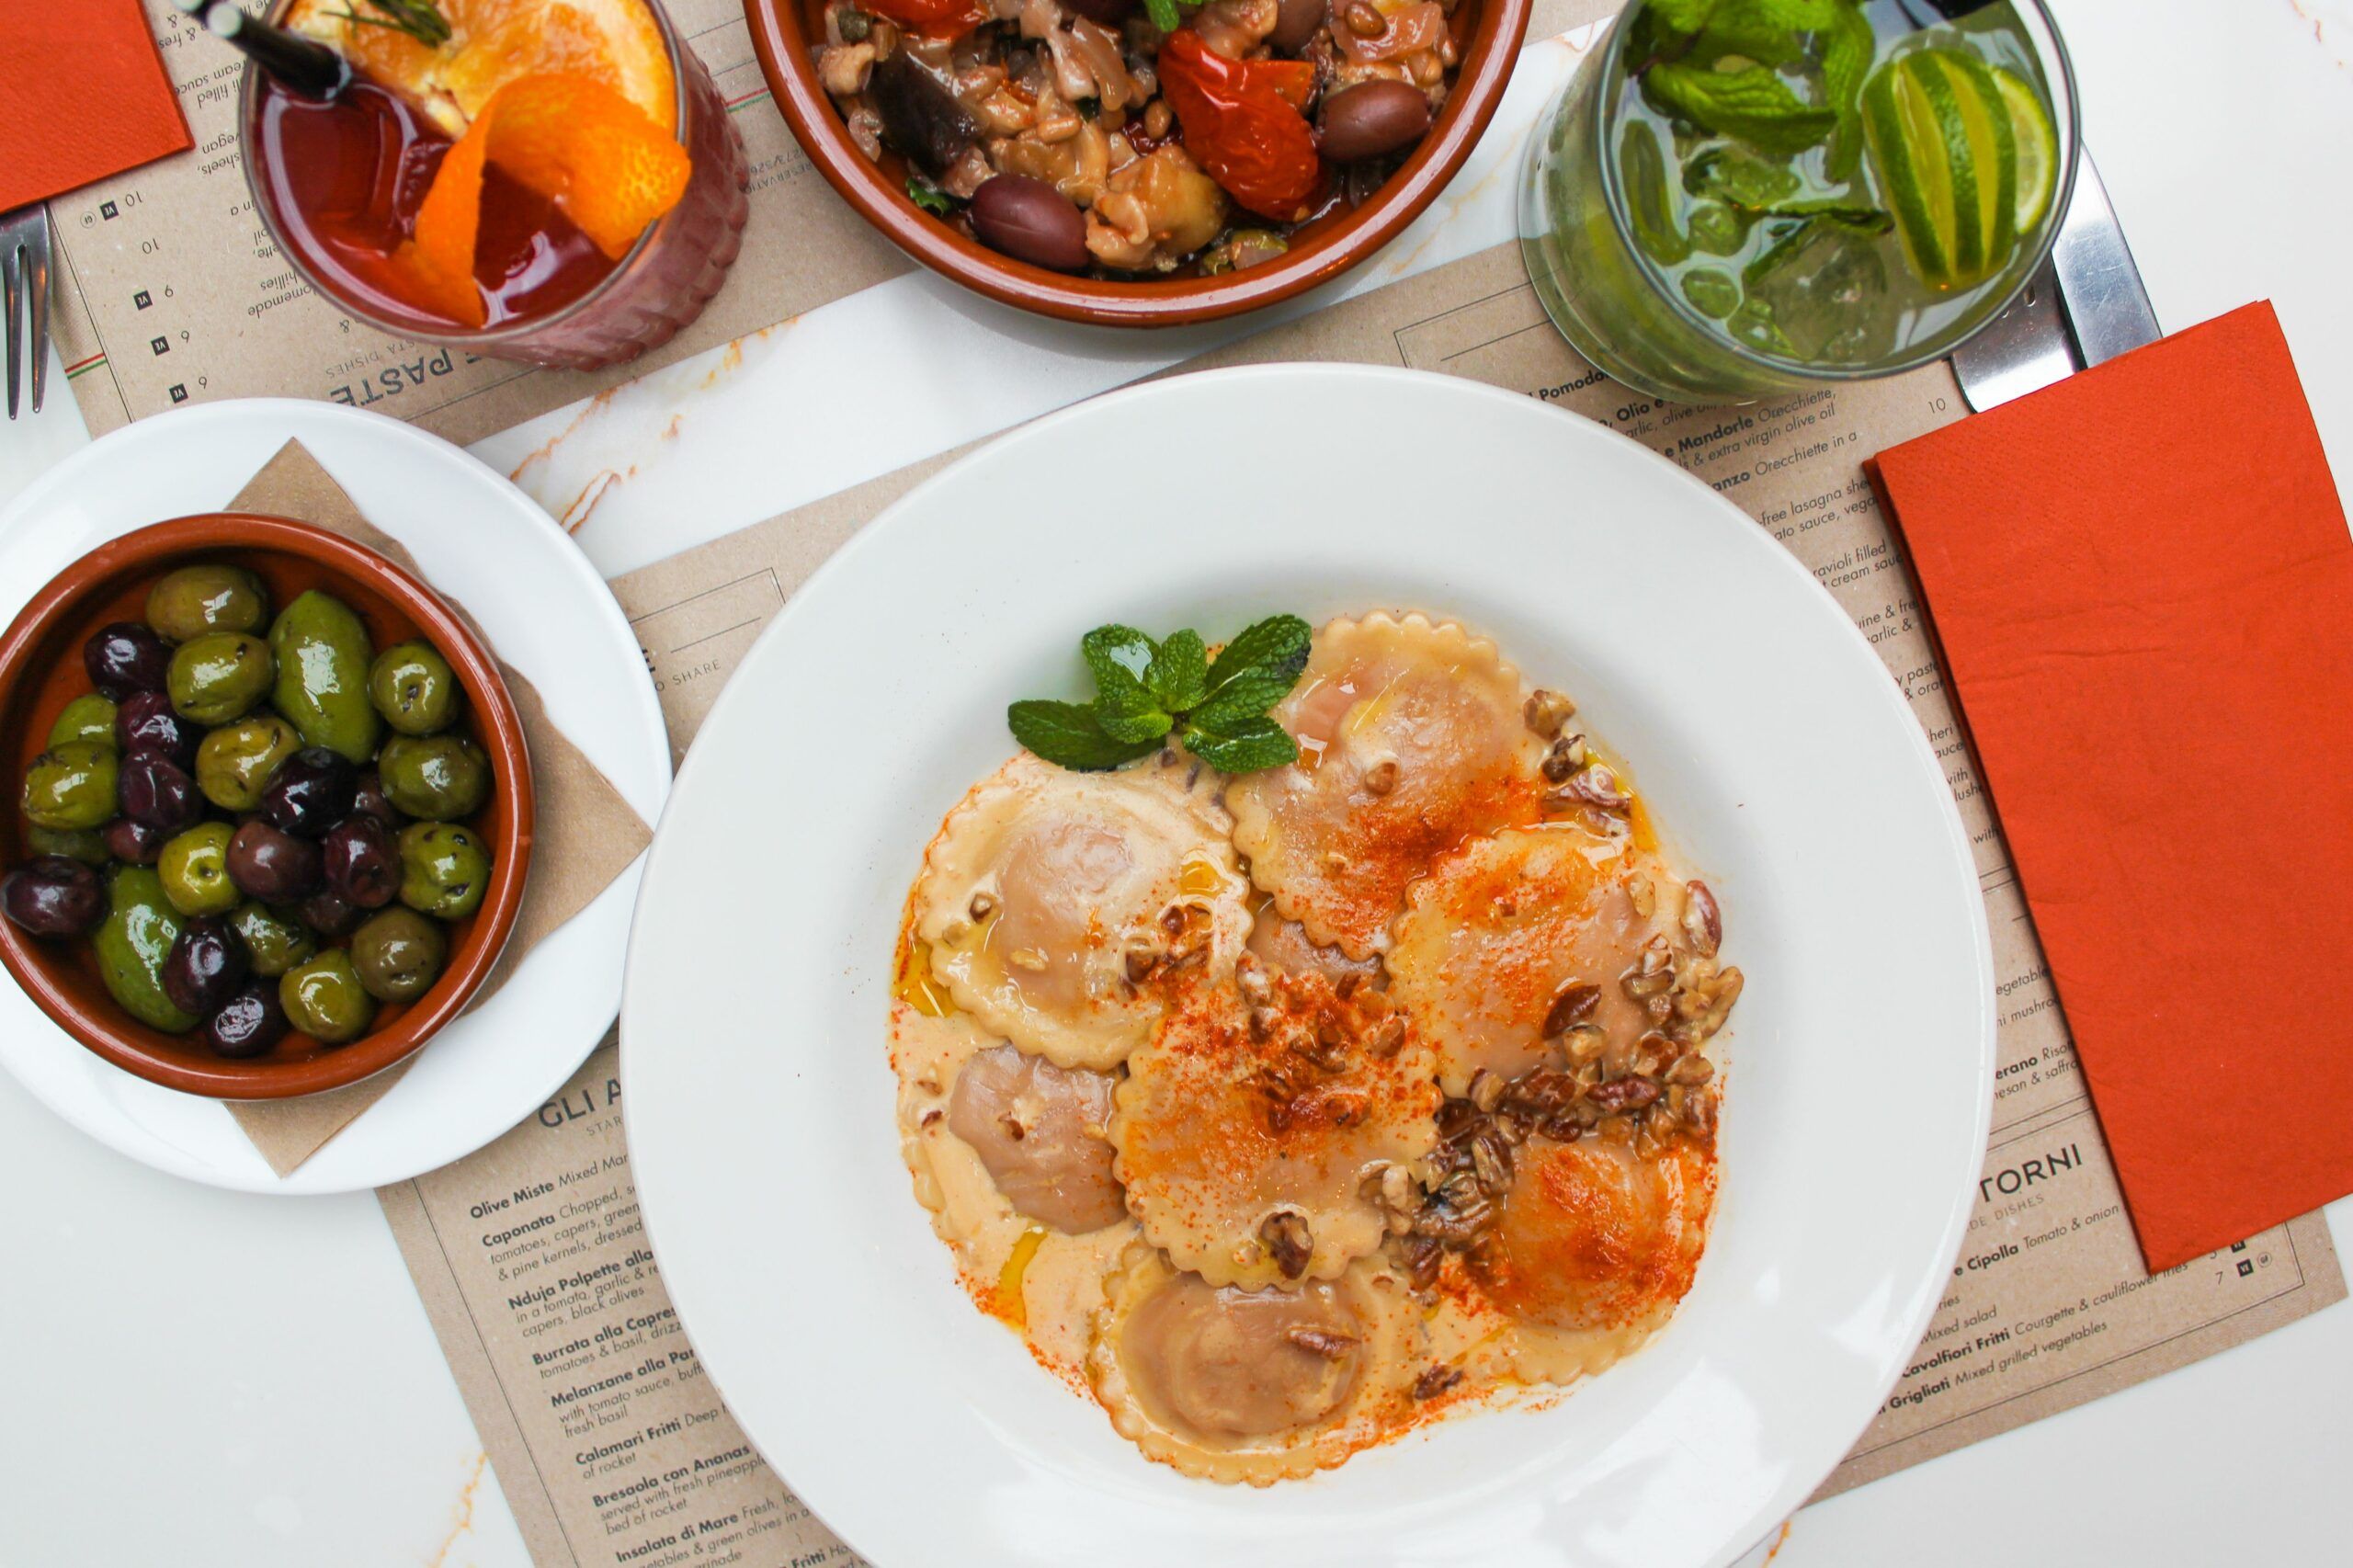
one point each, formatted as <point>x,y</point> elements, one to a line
<point>1246,121</point>
<point>931,19</point>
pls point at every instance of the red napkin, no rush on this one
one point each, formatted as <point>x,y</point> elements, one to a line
<point>84,95</point>
<point>2143,584</point>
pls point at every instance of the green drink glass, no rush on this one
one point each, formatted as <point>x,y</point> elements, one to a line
<point>1739,198</point>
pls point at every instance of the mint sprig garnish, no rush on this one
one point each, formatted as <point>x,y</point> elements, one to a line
<point>1146,691</point>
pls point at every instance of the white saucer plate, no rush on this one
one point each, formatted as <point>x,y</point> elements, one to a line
<point>488,546</point>
<point>1770,741</point>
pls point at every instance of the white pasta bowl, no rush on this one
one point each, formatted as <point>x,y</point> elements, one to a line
<point>1776,754</point>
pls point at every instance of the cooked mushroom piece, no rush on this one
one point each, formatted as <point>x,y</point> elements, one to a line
<point>921,116</point>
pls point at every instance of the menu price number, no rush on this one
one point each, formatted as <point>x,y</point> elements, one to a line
<point>395,380</point>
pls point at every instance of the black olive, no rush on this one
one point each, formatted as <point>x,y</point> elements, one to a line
<point>311,792</point>
<point>147,722</point>
<point>52,896</point>
<point>158,793</point>
<point>126,657</point>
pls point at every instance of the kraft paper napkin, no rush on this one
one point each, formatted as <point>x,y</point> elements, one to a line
<point>2143,586</point>
<point>83,95</point>
<point>585,835</point>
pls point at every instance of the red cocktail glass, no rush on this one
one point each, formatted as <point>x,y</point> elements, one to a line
<point>338,183</point>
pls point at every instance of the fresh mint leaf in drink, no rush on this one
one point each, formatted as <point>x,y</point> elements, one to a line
<point>1820,184</point>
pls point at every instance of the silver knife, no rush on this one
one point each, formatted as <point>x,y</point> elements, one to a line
<point>2084,306</point>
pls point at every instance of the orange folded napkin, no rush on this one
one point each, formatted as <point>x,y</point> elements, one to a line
<point>2142,585</point>
<point>84,95</point>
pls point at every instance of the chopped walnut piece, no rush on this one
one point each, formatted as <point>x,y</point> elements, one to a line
<point>1436,1380</point>
<point>1321,1342</point>
<point>1289,1242</point>
<point>1703,922</point>
<point>1546,712</point>
<point>1572,1005</point>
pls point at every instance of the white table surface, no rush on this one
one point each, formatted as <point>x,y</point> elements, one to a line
<point>199,1377</point>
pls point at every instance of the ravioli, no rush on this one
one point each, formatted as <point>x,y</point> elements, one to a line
<point>1412,739</point>
<point>1512,942</point>
<point>1060,908</point>
<point>1594,1246</point>
<point>1042,1274</point>
<point>1258,1386</point>
<point>1253,1127</point>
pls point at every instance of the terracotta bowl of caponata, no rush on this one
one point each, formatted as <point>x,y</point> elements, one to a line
<point>1488,34</point>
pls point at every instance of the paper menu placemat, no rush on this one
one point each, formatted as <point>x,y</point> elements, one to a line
<point>2048,1305</point>
<point>585,834</point>
<point>170,290</point>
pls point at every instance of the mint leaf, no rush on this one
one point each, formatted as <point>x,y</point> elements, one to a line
<point>1140,726</point>
<point>1641,169</point>
<point>1113,651</point>
<point>1755,105</point>
<point>1682,16</point>
<point>1739,180</point>
<point>1765,30</point>
<point>1068,734</point>
<point>1829,209</point>
<point>1179,672</point>
<point>1848,48</point>
<point>1254,672</point>
<point>1244,747</point>
<point>930,197</point>
<point>1118,655</point>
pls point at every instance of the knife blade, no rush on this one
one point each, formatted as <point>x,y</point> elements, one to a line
<point>2084,306</point>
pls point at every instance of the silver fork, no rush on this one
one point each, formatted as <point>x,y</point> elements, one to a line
<point>24,269</point>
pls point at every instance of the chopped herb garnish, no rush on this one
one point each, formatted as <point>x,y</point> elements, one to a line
<point>420,19</point>
<point>930,197</point>
<point>1146,691</point>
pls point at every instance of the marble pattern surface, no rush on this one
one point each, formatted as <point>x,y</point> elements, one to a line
<point>201,1377</point>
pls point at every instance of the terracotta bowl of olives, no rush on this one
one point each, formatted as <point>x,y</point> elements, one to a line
<point>271,807</point>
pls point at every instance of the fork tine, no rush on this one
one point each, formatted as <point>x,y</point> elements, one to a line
<point>36,245</point>
<point>10,265</point>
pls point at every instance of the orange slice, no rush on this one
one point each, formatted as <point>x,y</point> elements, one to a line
<point>572,139</point>
<point>493,42</point>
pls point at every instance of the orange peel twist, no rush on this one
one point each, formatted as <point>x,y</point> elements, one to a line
<point>572,139</point>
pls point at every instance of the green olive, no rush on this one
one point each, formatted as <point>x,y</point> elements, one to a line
<point>83,844</point>
<point>236,762</point>
<point>415,688</point>
<point>132,944</point>
<point>274,942</point>
<point>186,604</point>
<point>195,868</point>
<point>399,954</point>
<point>221,676</point>
<point>434,778</point>
<point>323,998</point>
<point>71,786</point>
<point>323,660</point>
<point>444,869</point>
<point>88,718</point>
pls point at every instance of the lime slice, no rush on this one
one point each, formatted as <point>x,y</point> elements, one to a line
<point>1944,143</point>
<point>2038,143</point>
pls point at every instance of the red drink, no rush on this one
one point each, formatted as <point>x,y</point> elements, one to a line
<point>340,182</point>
